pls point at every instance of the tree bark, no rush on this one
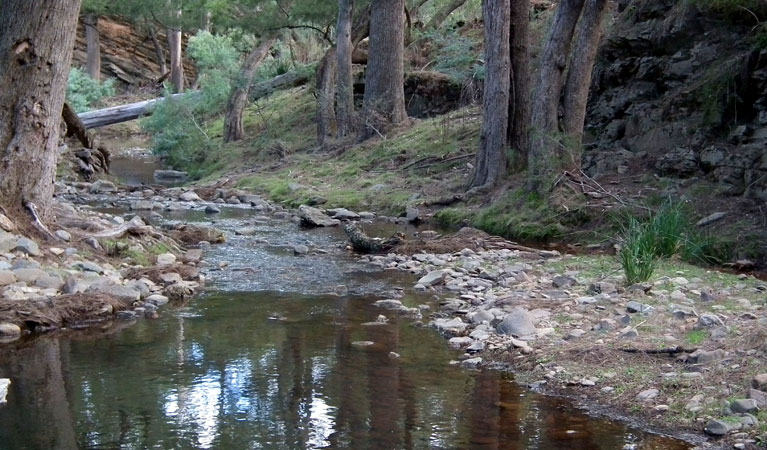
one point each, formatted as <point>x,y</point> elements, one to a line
<point>158,51</point>
<point>34,65</point>
<point>521,83</point>
<point>93,46</point>
<point>235,108</point>
<point>443,13</point>
<point>344,76</point>
<point>176,57</point>
<point>544,158</point>
<point>384,101</point>
<point>578,82</point>
<point>491,158</point>
<point>326,92</point>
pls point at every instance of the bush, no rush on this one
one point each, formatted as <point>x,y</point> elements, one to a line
<point>638,254</point>
<point>83,91</point>
<point>667,229</point>
<point>456,56</point>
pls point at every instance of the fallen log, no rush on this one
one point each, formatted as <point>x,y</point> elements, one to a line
<point>132,111</point>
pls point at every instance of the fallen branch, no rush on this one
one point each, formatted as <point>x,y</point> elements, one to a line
<point>658,351</point>
<point>37,222</point>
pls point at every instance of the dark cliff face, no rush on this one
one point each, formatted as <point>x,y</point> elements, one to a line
<point>682,92</point>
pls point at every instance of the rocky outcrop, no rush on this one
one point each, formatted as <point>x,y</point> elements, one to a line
<point>681,91</point>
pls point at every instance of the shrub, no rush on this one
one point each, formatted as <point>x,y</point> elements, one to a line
<point>83,91</point>
<point>667,229</point>
<point>456,56</point>
<point>638,254</point>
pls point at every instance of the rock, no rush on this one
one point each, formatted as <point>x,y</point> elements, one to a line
<point>73,286</point>
<point>412,215</point>
<point>170,175</point>
<point>433,278</point>
<point>709,321</point>
<point>157,299</point>
<point>142,205</point>
<point>760,382</point>
<point>759,396</point>
<point>102,187</point>
<point>587,383</point>
<point>601,287</point>
<point>744,405</point>
<point>388,304</point>
<point>518,322</point>
<point>210,209</point>
<point>458,342</point>
<point>28,276</point>
<point>482,316</point>
<point>636,307</point>
<point>48,281</point>
<point>246,231</point>
<point>706,357</point>
<point>170,278</point>
<point>574,334</point>
<point>343,214</point>
<point>109,287</point>
<point>549,254</point>
<point>562,281</point>
<point>628,333</point>
<point>6,224</point>
<point>87,266</point>
<point>7,277</point>
<point>9,330</point>
<point>193,255</point>
<point>5,383</point>
<point>28,246</point>
<point>300,249</point>
<point>125,315</point>
<point>471,363</point>
<point>313,217</point>
<point>647,395</point>
<point>453,326</point>
<point>708,220</point>
<point>166,259</point>
<point>683,312</point>
<point>189,196</point>
<point>56,251</point>
<point>718,428</point>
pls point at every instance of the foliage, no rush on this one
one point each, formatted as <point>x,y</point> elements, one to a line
<point>83,91</point>
<point>638,254</point>
<point>667,228</point>
<point>455,55</point>
<point>707,249</point>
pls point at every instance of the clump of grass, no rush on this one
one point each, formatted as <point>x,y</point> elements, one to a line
<point>668,227</point>
<point>639,253</point>
<point>696,337</point>
<point>452,217</point>
<point>707,249</point>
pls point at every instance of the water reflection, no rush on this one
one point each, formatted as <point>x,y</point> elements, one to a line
<point>220,374</point>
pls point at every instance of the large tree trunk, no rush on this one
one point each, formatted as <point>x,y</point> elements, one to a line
<point>344,76</point>
<point>443,13</point>
<point>579,73</point>
<point>158,51</point>
<point>176,57</point>
<point>34,65</point>
<point>235,108</point>
<point>521,83</point>
<point>93,46</point>
<point>384,101</point>
<point>545,157</point>
<point>326,92</point>
<point>491,158</point>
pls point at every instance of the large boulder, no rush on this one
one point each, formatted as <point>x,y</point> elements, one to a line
<point>519,322</point>
<point>313,217</point>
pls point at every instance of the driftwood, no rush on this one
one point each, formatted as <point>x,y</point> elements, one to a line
<point>363,243</point>
<point>658,351</point>
<point>93,157</point>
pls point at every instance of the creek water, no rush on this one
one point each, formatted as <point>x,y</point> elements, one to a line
<point>272,356</point>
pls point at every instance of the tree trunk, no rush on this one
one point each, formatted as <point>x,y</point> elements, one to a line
<point>235,108</point>
<point>326,92</point>
<point>93,45</point>
<point>176,57</point>
<point>579,73</point>
<point>521,83</point>
<point>158,51</point>
<point>384,101</point>
<point>491,158</point>
<point>344,75</point>
<point>443,13</point>
<point>544,158</point>
<point>34,65</point>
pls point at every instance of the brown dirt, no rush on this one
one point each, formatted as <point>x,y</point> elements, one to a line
<point>59,312</point>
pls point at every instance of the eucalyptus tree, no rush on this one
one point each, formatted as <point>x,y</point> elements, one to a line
<point>35,55</point>
<point>91,9</point>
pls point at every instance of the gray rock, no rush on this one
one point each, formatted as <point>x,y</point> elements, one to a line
<point>482,316</point>
<point>574,334</point>
<point>210,209</point>
<point>519,322</point>
<point>744,405</point>
<point>453,326</point>
<point>157,300</point>
<point>709,321</point>
<point>313,217</point>
<point>109,287</point>
<point>7,277</point>
<point>102,187</point>
<point>412,214</point>
<point>636,307</point>
<point>300,249</point>
<point>433,278</point>
<point>628,333</point>
<point>25,264</point>
<point>718,428</point>
<point>471,363</point>
<point>759,396</point>
<point>170,175</point>
<point>125,315</point>
<point>647,394</point>
<point>48,281</point>
<point>706,357</point>
<point>9,330</point>
<point>166,259</point>
<point>189,196</point>
<point>87,266</point>
<point>562,281</point>
<point>760,382</point>
<point>343,214</point>
<point>708,220</point>
<point>142,205</point>
<point>246,231</point>
<point>73,286</point>
<point>601,287</point>
<point>28,276</point>
<point>6,224</point>
<point>63,235</point>
<point>28,246</point>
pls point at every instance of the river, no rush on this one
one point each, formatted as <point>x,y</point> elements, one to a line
<point>277,354</point>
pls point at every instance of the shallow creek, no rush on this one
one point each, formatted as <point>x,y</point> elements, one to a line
<point>270,357</point>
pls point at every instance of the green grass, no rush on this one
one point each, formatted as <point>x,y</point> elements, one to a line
<point>638,254</point>
<point>696,337</point>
